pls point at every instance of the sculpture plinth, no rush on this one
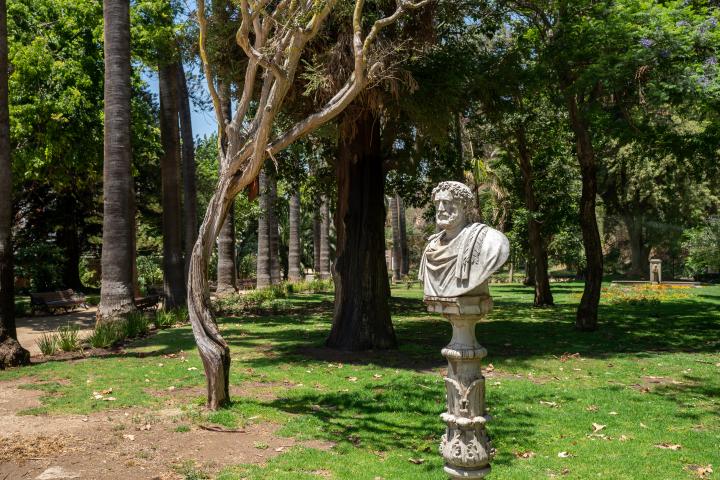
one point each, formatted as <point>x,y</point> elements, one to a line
<point>465,447</point>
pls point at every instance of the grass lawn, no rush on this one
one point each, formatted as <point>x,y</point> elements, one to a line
<point>650,376</point>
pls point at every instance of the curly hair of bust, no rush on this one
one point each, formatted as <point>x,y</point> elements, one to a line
<point>458,190</point>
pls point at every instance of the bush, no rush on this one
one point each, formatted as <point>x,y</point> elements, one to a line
<point>41,263</point>
<point>149,269</point>
<point>21,309</point>
<point>48,343</point>
<point>106,334</point>
<point>136,324</point>
<point>68,338</point>
<point>168,318</point>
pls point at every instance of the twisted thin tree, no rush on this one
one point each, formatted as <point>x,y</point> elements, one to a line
<point>273,36</point>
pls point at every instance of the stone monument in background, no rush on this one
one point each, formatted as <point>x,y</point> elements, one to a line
<point>455,267</point>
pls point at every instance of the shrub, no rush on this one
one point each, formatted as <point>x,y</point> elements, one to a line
<point>21,309</point>
<point>68,338</point>
<point>135,324</point>
<point>168,318</point>
<point>277,305</point>
<point>48,343</point>
<point>106,334</point>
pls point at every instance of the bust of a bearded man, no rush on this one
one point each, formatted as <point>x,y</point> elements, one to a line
<point>458,261</point>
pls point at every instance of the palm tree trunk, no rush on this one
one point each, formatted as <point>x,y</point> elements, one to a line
<point>396,249</point>
<point>317,226</point>
<point>173,265</point>
<point>543,295</point>
<point>325,239</point>
<point>188,167</point>
<point>116,291</point>
<point>639,251</point>
<point>362,315</point>
<point>273,224</point>
<point>226,270</point>
<point>587,313</point>
<point>11,353</point>
<point>294,240</point>
<point>263,253</point>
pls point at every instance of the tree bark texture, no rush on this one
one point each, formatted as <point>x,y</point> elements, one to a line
<point>173,265</point>
<point>116,291</point>
<point>317,226</point>
<point>543,295</point>
<point>362,315</point>
<point>273,224</point>
<point>190,207</point>
<point>639,250</point>
<point>396,248</point>
<point>587,313</point>
<point>263,253</point>
<point>68,237</point>
<point>294,242</point>
<point>404,250</point>
<point>11,353</point>
<point>529,280</point>
<point>226,269</point>
<point>325,272</point>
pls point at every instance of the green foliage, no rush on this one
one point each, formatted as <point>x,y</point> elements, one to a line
<point>703,247</point>
<point>106,334</point>
<point>41,264</point>
<point>167,319</point>
<point>136,324</point>
<point>88,276</point>
<point>149,269</point>
<point>48,343</point>
<point>67,337</point>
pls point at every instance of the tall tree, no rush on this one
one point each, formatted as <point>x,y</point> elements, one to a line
<point>190,208</point>
<point>294,242</point>
<point>325,238</point>
<point>263,253</point>
<point>116,292</point>
<point>402,227</point>
<point>396,247</point>
<point>11,353</point>
<point>273,227</point>
<point>173,265</point>
<point>317,239</point>
<point>362,314</point>
<point>226,269</point>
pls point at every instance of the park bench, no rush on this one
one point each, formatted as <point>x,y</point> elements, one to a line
<point>51,302</point>
<point>148,302</point>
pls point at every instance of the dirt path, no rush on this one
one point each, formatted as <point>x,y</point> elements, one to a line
<point>29,329</point>
<point>132,444</point>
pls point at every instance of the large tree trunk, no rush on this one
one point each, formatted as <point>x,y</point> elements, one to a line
<point>543,295</point>
<point>11,353</point>
<point>294,240</point>
<point>317,226</point>
<point>639,251</point>
<point>404,250</point>
<point>68,239</point>
<point>362,314</point>
<point>273,224</point>
<point>396,248</point>
<point>325,239</point>
<point>529,280</point>
<point>188,167</point>
<point>116,291</point>
<point>587,314</point>
<point>263,252</point>
<point>173,265</point>
<point>226,269</point>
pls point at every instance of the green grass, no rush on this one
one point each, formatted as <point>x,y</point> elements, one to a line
<point>381,409</point>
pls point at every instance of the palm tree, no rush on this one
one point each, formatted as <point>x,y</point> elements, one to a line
<point>273,225</point>
<point>396,248</point>
<point>188,167</point>
<point>226,269</point>
<point>263,252</point>
<point>116,291</point>
<point>11,353</point>
<point>325,239</point>
<point>173,266</point>
<point>294,240</point>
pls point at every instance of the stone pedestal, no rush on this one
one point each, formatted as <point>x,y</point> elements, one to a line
<point>465,447</point>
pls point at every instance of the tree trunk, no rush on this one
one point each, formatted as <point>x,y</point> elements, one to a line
<point>362,315</point>
<point>396,249</point>
<point>68,239</point>
<point>11,353</point>
<point>274,235</point>
<point>188,167</point>
<point>263,252</point>
<point>543,295</point>
<point>294,240</point>
<point>226,270</point>
<point>587,314</point>
<point>639,251</point>
<point>116,291</point>
<point>317,226</point>
<point>529,280</point>
<point>325,239</point>
<point>173,265</point>
<point>404,250</point>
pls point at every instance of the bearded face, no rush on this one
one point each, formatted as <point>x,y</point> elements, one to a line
<point>449,212</point>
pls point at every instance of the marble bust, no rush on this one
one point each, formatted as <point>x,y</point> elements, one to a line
<point>458,260</point>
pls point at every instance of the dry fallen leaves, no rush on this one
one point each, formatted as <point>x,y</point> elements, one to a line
<point>565,455</point>
<point>129,437</point>
<point>700,470</point>
<point>549,404</point>
<point>669,446</point>
<point>526,454</point>
<point>416,461</point>
<point>592,408</point>
<point>352,379</point>
<point>597,427</point>
<point>567,356</point>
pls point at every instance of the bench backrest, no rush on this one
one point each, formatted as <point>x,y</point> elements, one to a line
<point>60,295</point>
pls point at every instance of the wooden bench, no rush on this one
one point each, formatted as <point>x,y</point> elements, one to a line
<point>148,302</point>
<point>51,302</point>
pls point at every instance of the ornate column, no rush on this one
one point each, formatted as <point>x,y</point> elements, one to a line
<point>465,446</point>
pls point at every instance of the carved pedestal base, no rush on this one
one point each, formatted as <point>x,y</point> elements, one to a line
<point>465,447</point>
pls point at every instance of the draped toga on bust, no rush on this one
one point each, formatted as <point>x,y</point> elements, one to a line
<point>462,265</point>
